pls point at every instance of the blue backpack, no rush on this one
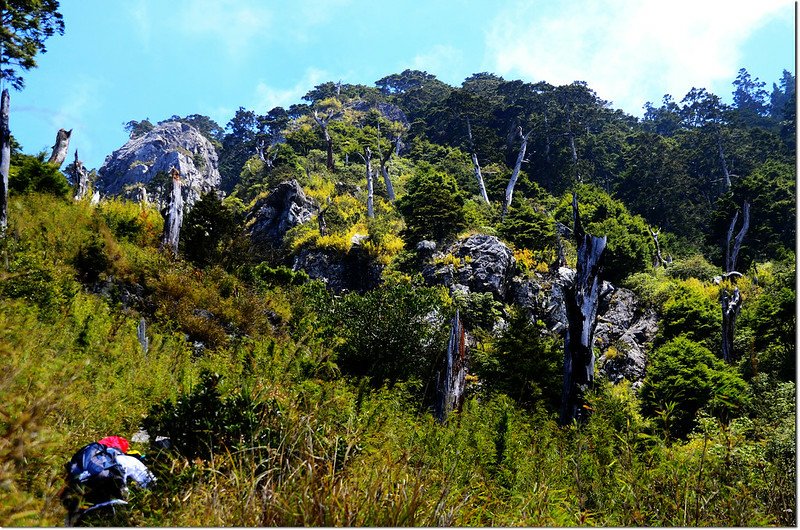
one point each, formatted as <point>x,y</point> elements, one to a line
<point>94,479</point>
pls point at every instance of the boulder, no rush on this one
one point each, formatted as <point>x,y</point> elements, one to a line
<point>485,265</point>
<point>351,271</point>
<point>272,216</point>
<point>168,145</point>
<point>624,332</point>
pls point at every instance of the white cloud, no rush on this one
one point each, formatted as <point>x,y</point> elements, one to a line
<point>444,61</point>
<point>235,25</point>
<point>268,96</point>
<point>628,51</point>
<point>140,15</point>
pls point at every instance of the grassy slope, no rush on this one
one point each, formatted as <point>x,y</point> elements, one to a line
<point>326,451</point>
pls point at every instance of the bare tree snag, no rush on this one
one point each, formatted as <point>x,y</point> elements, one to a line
<point>731,301</point>
<point>174,217</point>
<point>5,159</point>
<point>60,148</point>
<point>384,160</point>
<point>582,300</point>
<point>367,158</point>
<point>82,179</point>
<point>323,121</point>
<point>726,174</point>
<point>141,334</point>
<point>451,378</point>
<point>658,259</point>
<point>475,165</point>
<point>515,174</point>
<point>143,200</point>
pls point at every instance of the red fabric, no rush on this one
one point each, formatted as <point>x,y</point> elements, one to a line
<point>117,442</point>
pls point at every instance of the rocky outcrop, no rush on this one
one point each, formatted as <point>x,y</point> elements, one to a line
<point>481,262</point>
<point>272,216</point>
<point>351,271</point>
<point>624,331</point>
<point>168,145</point>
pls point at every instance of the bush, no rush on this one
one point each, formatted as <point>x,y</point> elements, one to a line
<point>523,363</point>
<point>392,333</point>
<point>207,230</point>
<point>32,173</point>
<point>693,312</point>
<point>526,227</point>
<point>629,248</point>
<point>684,377</point>
<point>202,422</point>
<point>433,208</point>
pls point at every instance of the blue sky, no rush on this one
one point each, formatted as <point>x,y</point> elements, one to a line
<point>137,59</point>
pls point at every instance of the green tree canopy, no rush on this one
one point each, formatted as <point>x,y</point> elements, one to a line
<point>433,208</point>
<point>26,24</point>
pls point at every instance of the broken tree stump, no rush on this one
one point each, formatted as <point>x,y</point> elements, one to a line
<point>582,301</point>
<point>451,378</point>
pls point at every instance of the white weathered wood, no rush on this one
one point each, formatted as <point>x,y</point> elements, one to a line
<point>5,159</point>
<point>451,377</point>
<point>515,173</point>
<point>60,148</point>
<point>582,301</point>
<point>476,167</point>
<point>82,178</point>
<point>174,217</point>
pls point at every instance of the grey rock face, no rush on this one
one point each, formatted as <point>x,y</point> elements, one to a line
<point>353,271</point>
<point>486,266</point>
<point>623,333</point>
<point>168,145</point>
<point>271,217</point>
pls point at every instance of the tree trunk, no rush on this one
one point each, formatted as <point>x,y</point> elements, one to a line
<point>60,148</point>
<point>451,378</point>
<point>726,174</point>
<point>141,334</point>
<point>582,300</point>
<point>658,259</point>
<point>515,174</point>
<point>475,165</point>
<point>174,217</point>
<point>731,305</point>
<point>323,124</point>
<point>387,182</point>
<point>731,302</point>
<point>5,159</point>
<point>82,178</point>
<point>370,187</point>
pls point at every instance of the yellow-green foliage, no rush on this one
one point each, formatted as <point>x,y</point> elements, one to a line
<point>534,260</point>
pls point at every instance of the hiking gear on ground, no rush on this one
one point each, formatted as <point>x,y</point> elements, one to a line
<point>117,442</point>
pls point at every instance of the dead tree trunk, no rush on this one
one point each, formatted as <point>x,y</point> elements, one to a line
<point>451,378</point>
<point>141,334</point>
<point>322,121</point>
<point>658,259</point>
<point>582,300</point>
<point>5,159</point>
<point>726,174</point>
<point>174,217</point>
<point>515,174</point>
<point>81,177</point>
<point>731,301</point>
<point>475,165</point>
<point>60,148</point>
<point>384,159</point>
<point>367,158</point>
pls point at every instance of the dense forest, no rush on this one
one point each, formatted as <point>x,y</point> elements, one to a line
<point>321,345</point>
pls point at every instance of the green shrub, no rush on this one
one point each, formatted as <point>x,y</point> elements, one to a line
<point>684,377</point>
<point>693,311</point>
<point>433,208</point>
<point>528,228</point>
<point>32,173</point>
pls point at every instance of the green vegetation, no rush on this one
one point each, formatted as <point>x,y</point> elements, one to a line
<point>290,404</point>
